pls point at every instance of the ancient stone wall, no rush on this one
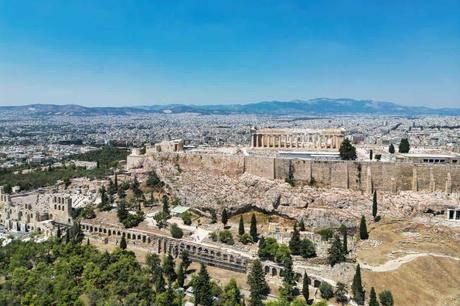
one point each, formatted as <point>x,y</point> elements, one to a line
<point>363,176</point>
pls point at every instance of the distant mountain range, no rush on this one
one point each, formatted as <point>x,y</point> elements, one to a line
<point>320,106</point>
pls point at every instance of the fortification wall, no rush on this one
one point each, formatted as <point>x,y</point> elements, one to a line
<point>362,176</point>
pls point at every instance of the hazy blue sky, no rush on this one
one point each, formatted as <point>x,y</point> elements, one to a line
<point>146,52</point>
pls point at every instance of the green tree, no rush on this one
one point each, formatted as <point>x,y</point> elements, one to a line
<point>363,234</point>
<point>165,201</point>
<point>123,243</point>
<point>181,275</point>
<point>357,287</point>
<point>386,298</point>
<point>290,177</point>
<point>374,205</point>
<point>185,258</point>
<point>169,268</point>
<point>326,290</point>
<point>391,149</point>
<point>404,146</point>
<point>344,231</point>
<point>253,228</point>
<point>341,294</point>
<point>288,276</point>
<point>347,150</point>
<point>122,213</point>
<point>295,243</point>
<point>176,231</point>
<point>232,294</point>
<point>305,291</point>
<point>335,252</point>
<point>226,237</point>
<point>213,216</point>
<point>104,205</point>
<point>258,286</point>
<point>301,225</point>
<point>202,288</point>
<point>373,298</point>
<point>7,189</point>
<point>224,217</point>
<point>187,218</point>
<point>241,226</point>
<point>307,248</point>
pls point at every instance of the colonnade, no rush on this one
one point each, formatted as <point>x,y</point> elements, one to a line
<point>273,138</point>
<point>166,245</point>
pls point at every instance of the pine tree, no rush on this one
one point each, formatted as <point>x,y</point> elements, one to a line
<point>357,287</point>
<point>373,298</point>
<point>344,231</point>
<point>185,260</point>
<point>363,234</point>
<point>294,243</point>
<point>202,288</point>
<point>391,149</point>
<point>123,243</point>
<point>224,217</point>
<point>232,294</point>
<point>253,228</point>
<point>305,292</point>
<point>335,252</point>
<point>374,205</point>
<point>241,226</point>
<point>258,286</point>
<point>168,268</point>
<point>181,275</point>
<point>404,146</point>
<point>301,225</point>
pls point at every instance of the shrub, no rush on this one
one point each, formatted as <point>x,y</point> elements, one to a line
<point>187,218</point>
<point>176,231</point>
<point>326,290</point>
<point>133,219</point>
<point>326,233</point>
<point>246,238</point>
<point>226,237</point>
<point>213,236</point>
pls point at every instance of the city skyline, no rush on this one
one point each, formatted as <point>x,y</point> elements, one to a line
<point>148,53</point>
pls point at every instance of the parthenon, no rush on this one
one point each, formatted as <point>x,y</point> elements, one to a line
<point>297,138</point>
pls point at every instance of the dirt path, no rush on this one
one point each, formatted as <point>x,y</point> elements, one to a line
<point>394,264</point>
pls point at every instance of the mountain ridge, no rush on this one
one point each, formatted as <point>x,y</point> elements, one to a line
<point>318,106</point>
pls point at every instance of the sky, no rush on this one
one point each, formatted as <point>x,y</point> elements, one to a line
<point>144,52</point>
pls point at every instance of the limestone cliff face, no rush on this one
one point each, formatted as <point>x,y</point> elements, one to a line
<point>216,185</point>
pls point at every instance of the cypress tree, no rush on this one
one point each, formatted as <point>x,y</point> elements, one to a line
<point>185,260</point>
<point>335,252</point>
<point>357,287</point>
<point>253,228</point>
<point>305,292</point>
<point>241,226</point>
<point>168,268</point>
<point>288,277</point>
<point>165,201</point>
<point>123,243</point>
<point>301,225</point>
<point>116,180</point>
<point>258,286</point>
<point>343,230</point>
<point>224,217</point>
<point>202,288</point>
<point>181,275</point>
<point>373,298</point>
<point>294,243</point>
<point>391,149</point>
<point>374,205</point>
<point>363,234</point>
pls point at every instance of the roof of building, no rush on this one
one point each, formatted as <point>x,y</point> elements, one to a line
<point>179,209</point>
